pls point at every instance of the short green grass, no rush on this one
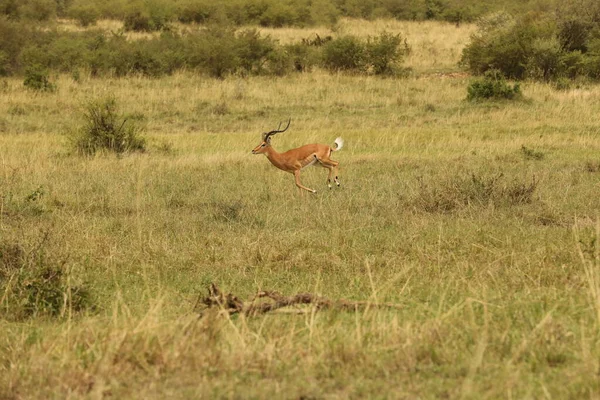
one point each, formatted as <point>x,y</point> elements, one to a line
<point>499,288</point>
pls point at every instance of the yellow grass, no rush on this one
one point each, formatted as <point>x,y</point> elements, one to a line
<point>497,293</point>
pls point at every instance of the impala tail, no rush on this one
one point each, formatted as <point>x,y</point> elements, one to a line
<point>339,143</point>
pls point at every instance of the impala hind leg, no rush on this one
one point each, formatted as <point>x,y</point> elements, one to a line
<point>332,167</point>
<point>301,186</point>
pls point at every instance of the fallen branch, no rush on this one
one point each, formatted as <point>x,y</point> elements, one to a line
<point>275,301</point>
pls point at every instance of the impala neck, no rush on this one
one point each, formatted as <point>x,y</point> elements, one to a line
<point>273,156</point>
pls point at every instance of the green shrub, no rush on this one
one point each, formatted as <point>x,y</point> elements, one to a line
<point>105,129</point>
<point>279,14</point>
<point>504,43</point>
<point>148,16</point>
<point>38,10</point>
<point>85,14</point>
<point>492,86</point>
<point>302,57</point>
<point>252,50</point>
<point>13,38</point>
<point>198,11</point>
<point>37,78</point>
<point>385,52</point>
<point>545,59</point>
<point>214,52</point>
<point>344,54</point>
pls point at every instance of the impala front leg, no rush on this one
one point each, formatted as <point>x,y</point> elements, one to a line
<point>297,176</point>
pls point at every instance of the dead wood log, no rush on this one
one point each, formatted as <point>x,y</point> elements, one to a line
<point>233,305</point>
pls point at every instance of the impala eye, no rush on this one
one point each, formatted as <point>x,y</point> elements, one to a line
<point>262,145</point>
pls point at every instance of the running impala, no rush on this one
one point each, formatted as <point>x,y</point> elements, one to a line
<point>295,160</point>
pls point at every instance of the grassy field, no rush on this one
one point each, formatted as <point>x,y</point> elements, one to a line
<point>480,220</point>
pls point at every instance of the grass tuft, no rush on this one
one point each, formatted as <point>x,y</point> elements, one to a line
<point>106,129</point>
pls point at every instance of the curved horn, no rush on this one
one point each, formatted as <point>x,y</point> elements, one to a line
<point>267,135</point>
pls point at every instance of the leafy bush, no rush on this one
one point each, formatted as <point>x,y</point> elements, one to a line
<point>545,46</point>
<point>384,53</point>
<point>13,37</point>
<point>38,10</point>
<point>37,78</point>
<point>279,14</point>
<point>492,86</point>
<point>380,55</point>
<point>105,129</point>
<point>198,11</point>
<point>148,16</point>
<point>344,54</point>
<point>253,50</point>
<point>544,62</point>
<point>85,14</point>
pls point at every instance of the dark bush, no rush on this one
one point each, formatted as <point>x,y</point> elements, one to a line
<point>13,38</point>
<point>105,129</point>
<point>198,11</point>
<point>37,78</point>
<point>492,86</point>
<point>148,16</point>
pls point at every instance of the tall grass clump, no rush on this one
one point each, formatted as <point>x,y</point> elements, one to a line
<point>474,190</point>
<point>106,129</point>
<point>34,283</point>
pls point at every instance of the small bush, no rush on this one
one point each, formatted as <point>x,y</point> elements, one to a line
<point>252,50</point>
<point>37,78</point>
<point>198,11</point>
<point>492,86</point>
<point>344,54</point>
<point>148,16</point>
<point>278,15</point>
<point>84,14</point>
<point>106,129</point>
<point>384,53</point>
<point>38,10</point>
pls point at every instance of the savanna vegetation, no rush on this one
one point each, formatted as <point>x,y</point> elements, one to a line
<point>127,187</point>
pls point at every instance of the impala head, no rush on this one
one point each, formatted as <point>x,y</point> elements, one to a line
<point>266,138</point>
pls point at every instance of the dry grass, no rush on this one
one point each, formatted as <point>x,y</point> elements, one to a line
<point>499,298</point>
